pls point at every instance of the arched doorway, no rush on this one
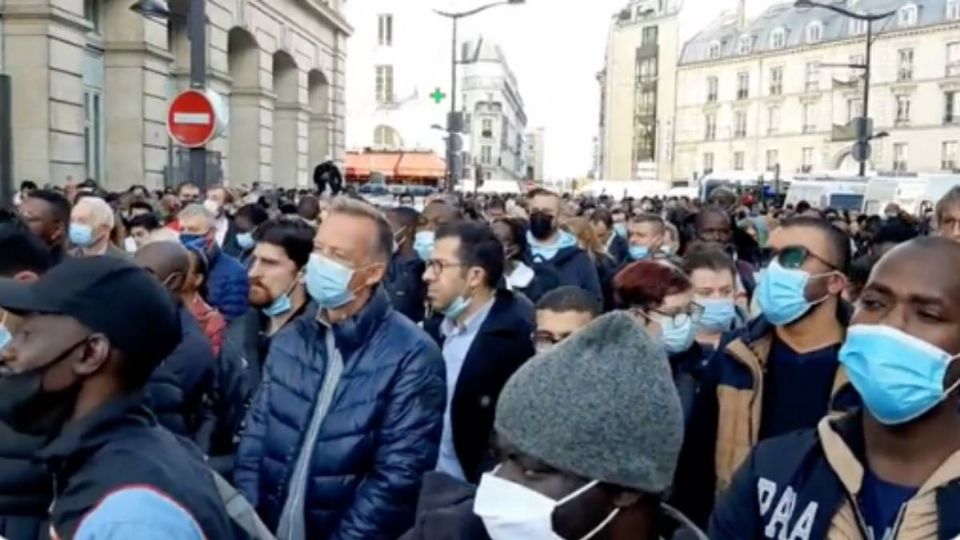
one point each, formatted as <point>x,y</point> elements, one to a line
<point>243,60</point>
<point>286,120</point>
<point>321,121</point>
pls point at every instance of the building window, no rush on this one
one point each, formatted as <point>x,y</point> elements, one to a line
<point>714,51</point>
<point>905,65</point>
<point>486,154</point>
<point>953,59</point>
<point>806,159</point>
<point>778,38</point>
<point>814,32</point>
<point>903,110</point>
<point>646,69</point>
<point>386,136</point>
<point>809,117</point>
<point>773,157</point>
<point>948,160</point>
<point>900,157</point>
<point>857,27</point>
<point>384,89</point>
<point>486,128</point>
<point>907,16</point>
<point>773,119</point>
<point>812,79</point>
<point>745,44</point>
<point>743,85</point>
<point>854,109</point>
<point>951,109</point>
<point>739,124</point>
<point>776,81</point>
<point>953,9</point>
<point>649,36</point>
<point>713,88</point>
<point>93,13</point>
<point>710,127</point>
<point>385,30</point>
<point>647,103</point>
<point>93,133</point>
<point>708,163</point>
<point>738,160</point>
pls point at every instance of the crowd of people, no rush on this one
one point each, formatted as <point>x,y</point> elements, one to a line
<point>304,365</point>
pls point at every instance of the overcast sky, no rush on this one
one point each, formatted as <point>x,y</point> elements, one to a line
<point>556,48</point>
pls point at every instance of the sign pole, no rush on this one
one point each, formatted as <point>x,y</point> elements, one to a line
<point>6,143</point>
<point>197,33</point>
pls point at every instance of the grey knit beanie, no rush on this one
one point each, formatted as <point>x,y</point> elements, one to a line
<point>601,404</point>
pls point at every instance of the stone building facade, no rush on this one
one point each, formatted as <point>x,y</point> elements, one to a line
<point>92,80</point>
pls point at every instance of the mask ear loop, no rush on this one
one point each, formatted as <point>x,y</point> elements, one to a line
<point>815,303</point>
<point>587,487</point>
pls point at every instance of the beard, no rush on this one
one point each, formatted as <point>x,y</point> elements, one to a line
<point>259,296</point>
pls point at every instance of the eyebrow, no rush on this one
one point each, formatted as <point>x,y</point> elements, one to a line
<point>913,298</point>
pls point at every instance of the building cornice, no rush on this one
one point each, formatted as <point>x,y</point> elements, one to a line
<point>775,53</point>
<point>329,14</point>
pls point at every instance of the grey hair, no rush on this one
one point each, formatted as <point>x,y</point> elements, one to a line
<point>950,198</point>
<point>383,241</point>
<point>197,210</point>
<point>99,209</point>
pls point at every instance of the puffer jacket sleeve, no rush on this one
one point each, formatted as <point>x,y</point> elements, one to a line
<point>233,294</point>
<point>246,472</point>
<point>409,438</point>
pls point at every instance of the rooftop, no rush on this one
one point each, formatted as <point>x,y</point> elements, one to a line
<point>783,26</point>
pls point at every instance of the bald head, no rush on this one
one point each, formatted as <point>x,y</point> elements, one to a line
<point>439,213</point>
<point>168,261</point>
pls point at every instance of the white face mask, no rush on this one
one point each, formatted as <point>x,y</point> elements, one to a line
<point>511,511</point>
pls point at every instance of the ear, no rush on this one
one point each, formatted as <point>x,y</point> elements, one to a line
<point>26,276</point>
<point>175,281</point>
<point>836,283</point>
<point>375,274</point>
<point>96,353</point>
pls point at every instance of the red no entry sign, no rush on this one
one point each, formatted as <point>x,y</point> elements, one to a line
<point>192,119</point>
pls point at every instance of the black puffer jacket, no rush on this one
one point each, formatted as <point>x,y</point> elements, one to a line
<point>25,487</point>
<point>180,388</point>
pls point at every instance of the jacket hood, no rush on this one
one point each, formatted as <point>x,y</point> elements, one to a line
<point>843,445</point>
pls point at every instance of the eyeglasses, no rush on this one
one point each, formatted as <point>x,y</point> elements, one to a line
<point>791,257</point>
<point>693,312</point>
<point>437,266</point>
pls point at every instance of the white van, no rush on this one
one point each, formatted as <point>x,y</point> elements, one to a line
<point>846,194</point>
<point>918,195</point>
<point>881,191</point>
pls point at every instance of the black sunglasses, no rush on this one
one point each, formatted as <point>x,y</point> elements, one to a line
<point>791,257</point>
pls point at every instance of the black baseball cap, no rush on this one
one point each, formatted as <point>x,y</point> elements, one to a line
<point>108,295</point>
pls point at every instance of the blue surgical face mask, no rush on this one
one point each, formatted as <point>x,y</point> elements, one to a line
<point>5,337</point>
<point>245,240</point>
<point>81,235</point>
<point>718,313</point>
<point>620,229</point>
<point>639,252</point>
<point>328,282</point>
<point>676,338</point>
<point>900,377</point>
<point>781,293</point>
<point>458,306</point>
<point>423,244</point>
<point>282,303</point>
<point>194,241</point>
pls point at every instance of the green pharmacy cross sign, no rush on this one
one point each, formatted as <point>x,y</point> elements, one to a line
<point>437,96</point>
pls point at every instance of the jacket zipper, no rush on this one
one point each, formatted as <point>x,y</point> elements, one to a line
<point>862,523</point>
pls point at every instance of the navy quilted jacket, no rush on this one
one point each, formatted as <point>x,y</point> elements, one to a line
<point>380,436</point>
<point>227,286</point>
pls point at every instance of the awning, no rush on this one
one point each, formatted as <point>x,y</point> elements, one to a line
<point>359,165</point>
<point>421,165</point>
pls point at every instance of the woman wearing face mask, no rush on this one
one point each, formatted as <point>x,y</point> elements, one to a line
<point>660,296</point>
<point>713,276</point>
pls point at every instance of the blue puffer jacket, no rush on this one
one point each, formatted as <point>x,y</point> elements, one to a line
<point>379,437</point>
<point>227,286</point>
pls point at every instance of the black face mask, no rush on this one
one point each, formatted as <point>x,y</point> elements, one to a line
<point>541,225</point>
<point>27,408</point>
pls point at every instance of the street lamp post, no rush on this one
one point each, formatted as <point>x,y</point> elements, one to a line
<point>453,126</point>
<point>870,18</point>
<point>197,34</point>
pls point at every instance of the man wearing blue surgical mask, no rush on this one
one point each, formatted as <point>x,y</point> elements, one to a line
<point>780,372</point>
<point>714,280</point>
<point>485,333</point>
<point>91,221</point>
<point>434,215</point>
<point>277,297</point>
<point>646,232</point>
<point>553,253</point>
<point>24,484</point>
<point>352,415</point>
<point>891,469</point>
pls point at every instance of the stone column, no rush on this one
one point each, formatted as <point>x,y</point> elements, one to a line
<point>43,54</point>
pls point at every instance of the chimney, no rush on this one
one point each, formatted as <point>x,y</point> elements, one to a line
<point>741,14</point>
